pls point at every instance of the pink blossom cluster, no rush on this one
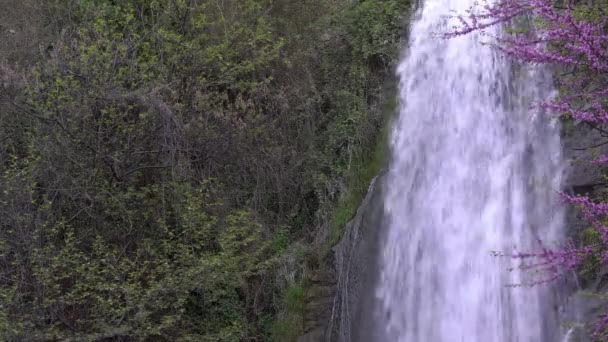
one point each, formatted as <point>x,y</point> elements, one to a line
<point>555,262</point>
<point>603,159</point>
<point>570,36</point>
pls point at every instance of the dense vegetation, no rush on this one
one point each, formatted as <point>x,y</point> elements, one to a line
<point>169,170</point>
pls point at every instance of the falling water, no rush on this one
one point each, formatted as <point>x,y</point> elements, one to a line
<point>475,169</point>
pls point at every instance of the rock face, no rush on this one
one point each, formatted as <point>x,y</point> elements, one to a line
<point>580,149</point>
<point>319,298</point>
<point>356,264</point>
<point>339,299</point>
<point>588,298</point>
<point>584,177</point>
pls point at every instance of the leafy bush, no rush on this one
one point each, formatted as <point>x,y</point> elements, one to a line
<point>161,159</point>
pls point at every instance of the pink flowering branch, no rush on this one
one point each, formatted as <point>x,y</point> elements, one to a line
<point>554,36</point>
<point>600,326</point>
<point>594,113</point>
<point>603,159</point>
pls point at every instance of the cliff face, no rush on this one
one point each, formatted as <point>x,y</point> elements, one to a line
<point>356,268</point>
<point>588,290</point>
<point>340,297</point>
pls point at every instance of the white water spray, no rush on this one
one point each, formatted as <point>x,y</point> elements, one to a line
<point>475,170</point>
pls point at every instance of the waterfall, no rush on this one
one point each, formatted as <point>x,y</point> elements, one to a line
<point>475,169</point>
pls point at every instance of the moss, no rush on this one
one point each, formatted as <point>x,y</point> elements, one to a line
<point>290,324</point>
<point>364,168</point>
<point>590,266</point>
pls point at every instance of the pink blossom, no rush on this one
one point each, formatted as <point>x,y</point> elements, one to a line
<point>603,159</point>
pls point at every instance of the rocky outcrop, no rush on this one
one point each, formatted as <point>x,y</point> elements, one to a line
<point>319,301</point>
<point>337,295</point>
<point>356,264</point>
<point>582,145</point>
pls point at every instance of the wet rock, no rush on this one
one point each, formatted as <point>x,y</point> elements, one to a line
<point>582,145</point>
<point>580,150</point>
<point>315,335</point>
<point>317,292</point>
<point>336,297</point>
<point>323,277</point>
<point>356,266</point>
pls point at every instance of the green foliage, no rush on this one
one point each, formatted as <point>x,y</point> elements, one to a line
<point>295,298</point>
<point>290,324</point>
<point>592,13</point>
<point>183,281</point>
<point>364,168</point>
<point>590,266</point>
<point>374,29</point>
<point>281,239</point>
<point>286,329</point>
<point>161,159</point>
